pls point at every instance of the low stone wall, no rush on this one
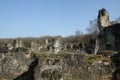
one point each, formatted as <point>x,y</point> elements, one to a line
<point>13,63</point>
<point>52,67</point>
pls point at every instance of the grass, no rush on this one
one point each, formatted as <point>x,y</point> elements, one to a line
<point>90,58</point>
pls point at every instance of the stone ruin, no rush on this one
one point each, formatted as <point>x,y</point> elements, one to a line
<point>15,46</point>
<point>67,66</point>
<point>35,47</point>
<point>108,32</point>
<point>46,41</point>
<point>55,46</point>
<point>103,19</point>
<point>4,49</point>
<point>17,43</point>
<point>13,64</point>
<point>18,46</point>
<point>94,45</point>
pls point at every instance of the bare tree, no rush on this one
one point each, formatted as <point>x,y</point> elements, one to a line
<point>93,28</point>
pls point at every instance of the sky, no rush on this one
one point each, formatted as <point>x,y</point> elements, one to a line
<point>36,18</point>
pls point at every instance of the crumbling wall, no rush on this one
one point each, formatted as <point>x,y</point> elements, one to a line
<point>108,35</point>
<point>67,66</point>
<point>13,63</point>
<point>103,19</point>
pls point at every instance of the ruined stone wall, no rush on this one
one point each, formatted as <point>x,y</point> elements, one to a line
<point>13,64</point>
<point>68,66</point>
<point>108,36</point>
<point>106,40</point>
<point>17,43</point>
<point>103,19</point>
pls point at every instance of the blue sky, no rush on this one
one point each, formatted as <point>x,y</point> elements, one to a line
<point>36,18</point>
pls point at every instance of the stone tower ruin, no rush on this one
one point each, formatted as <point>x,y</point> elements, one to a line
<point>103,19</point>
<point>109,32</point>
